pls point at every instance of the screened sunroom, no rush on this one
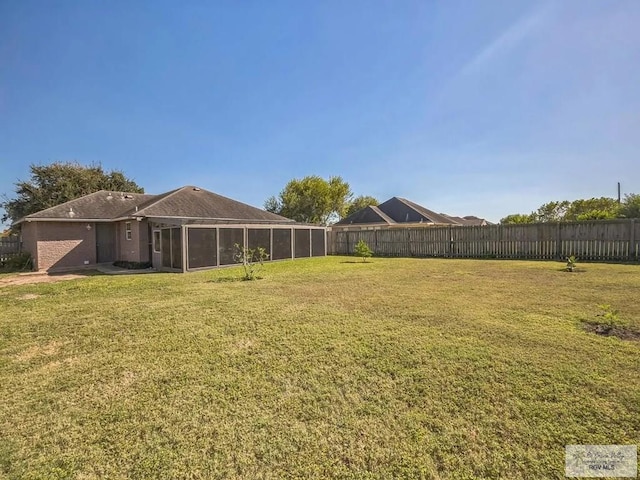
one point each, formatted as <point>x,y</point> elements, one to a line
<point>196,246</point>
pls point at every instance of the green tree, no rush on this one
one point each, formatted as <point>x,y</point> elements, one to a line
<point>592,209</point>
<point>552,211</point>
<point>59,182</point>
<point>312,199</point>
<point>359,203</point>
<point>518,218</point>
<point>630,207</point>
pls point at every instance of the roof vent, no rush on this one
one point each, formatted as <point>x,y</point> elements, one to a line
<point>128,196</point>
<point>196,189</point>
<point>109,196</point>
<point>71,212</point>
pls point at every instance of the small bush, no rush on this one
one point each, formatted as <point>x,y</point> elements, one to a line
<point>609,317</point>
<point>572,263</point>
<point>362,250</point>
<point>132,265</point>
<point>251,259</point>
<point>607,322</point>
<point>17,263</point>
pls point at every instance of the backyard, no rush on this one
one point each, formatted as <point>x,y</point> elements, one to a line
<point>325,368</point>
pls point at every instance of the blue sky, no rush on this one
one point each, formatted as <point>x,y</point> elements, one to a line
<point>484,108</point>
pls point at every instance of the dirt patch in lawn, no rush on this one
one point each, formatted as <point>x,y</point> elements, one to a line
<point>609,331</point>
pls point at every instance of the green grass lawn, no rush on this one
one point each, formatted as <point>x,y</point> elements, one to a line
<point>325,368</point>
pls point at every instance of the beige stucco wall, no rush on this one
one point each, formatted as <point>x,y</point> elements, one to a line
<point>63,245</point>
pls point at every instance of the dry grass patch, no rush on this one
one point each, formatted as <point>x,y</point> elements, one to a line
<point>50,349</point>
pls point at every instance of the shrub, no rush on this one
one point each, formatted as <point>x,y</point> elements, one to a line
<point>609,316</point>
<point>362,250</point>
<point>572,263</point>
<point>251,259</point>
<point>607,322</point>
<point>132,265</point>
<point>17,263</point>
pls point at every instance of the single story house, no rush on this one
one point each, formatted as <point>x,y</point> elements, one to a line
<point>402,212</point>
<point>185,229</point>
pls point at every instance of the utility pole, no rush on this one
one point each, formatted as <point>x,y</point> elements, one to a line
<point>618,192</point>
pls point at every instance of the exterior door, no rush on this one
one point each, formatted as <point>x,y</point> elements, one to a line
<point>105,242</point>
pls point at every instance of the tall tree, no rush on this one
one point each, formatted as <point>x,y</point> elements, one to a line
<point>59,182</point>
<point>312,199</point>
<point>518,218</point>
<point>592,209</point>
<point>552,211</point>
<point>359,203</point>
<point>581,210</point>
<point>630,207</point>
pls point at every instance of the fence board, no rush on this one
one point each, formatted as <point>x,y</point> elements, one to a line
<point>617,240</point>
<point>9,247</point>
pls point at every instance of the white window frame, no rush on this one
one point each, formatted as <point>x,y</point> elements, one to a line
<point>127,231</point>
<point>157,247</point>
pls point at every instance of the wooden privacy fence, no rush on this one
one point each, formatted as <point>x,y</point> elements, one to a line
<point>9,246</point>
<point>598,240</point>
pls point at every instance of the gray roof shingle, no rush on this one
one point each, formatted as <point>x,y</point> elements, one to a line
<point>101,205</point>
<point>400,210</point>
<point>195,202</point>
<point>186,202</point>
<point>368,214</point>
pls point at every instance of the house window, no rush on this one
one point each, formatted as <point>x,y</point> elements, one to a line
<point>156,241</point>
<point>127,230</point>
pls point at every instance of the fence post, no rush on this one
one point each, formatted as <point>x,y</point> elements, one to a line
<point>558,242</point>
<point>450,238</point>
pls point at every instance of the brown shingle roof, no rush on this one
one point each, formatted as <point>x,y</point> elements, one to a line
<point>400,210</point>
<point>194,202</point>
<point>368,214</point>
<point>473,220</point>
<point>101,205</point>
<point>427,214</point>
<point>186,202</point>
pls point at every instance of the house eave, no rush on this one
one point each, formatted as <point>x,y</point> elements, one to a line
<point>247,220</point>
<point>76,220</point>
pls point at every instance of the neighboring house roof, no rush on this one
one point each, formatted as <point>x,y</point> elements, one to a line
<point>472,220</point>
<point>458,220</point>
<point>469,220</point>
<point>400,210</point>
<point>395,210</point>
<point>188,202</point>
<point>424,214</point>
<point>368,214</point>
